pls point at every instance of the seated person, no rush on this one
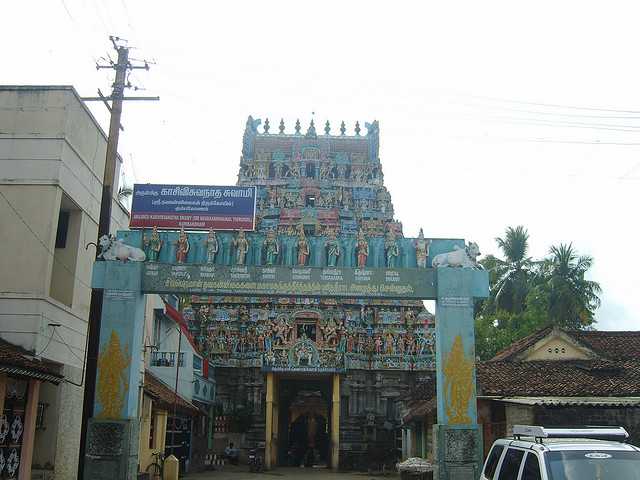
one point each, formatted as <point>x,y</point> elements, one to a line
<point>232,454</point>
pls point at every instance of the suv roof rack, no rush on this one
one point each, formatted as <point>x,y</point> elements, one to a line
<point>596,433</point>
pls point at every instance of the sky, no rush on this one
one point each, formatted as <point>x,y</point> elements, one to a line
<point>492,114</point>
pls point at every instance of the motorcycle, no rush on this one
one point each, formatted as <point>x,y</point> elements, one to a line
<point>255,461</point>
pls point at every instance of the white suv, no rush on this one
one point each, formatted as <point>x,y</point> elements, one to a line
<point>539,453</point>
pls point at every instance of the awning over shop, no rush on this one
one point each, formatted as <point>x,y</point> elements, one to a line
<point>18,362</point>
<point>572,401</point>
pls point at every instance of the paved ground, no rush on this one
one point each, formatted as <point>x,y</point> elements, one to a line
<point>230,472</point>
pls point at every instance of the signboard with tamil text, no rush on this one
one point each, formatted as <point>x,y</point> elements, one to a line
<point>194,207</point>
<point>410,283</point>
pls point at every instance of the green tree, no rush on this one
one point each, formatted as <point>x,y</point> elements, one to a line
<point>527,295</point>
<point>512,284</point>
<point>572,299</point>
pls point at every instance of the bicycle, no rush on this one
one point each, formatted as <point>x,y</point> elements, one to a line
<point>155,468</point>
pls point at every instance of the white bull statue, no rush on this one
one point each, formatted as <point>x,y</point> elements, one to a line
<point>464,257</point>
<point>113,249</point>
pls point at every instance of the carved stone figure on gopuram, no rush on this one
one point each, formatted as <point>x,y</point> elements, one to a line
<point>272,247</point>
<point>212,246</point>
<point>333,249</point>
<point>303,247</point>
<point>391,249</point>
<point>362,249</point>
<point>321,204</point>
<point>241,245</point>
<point>152,245</point>
<point>422,250</point>
<point>182,247</point>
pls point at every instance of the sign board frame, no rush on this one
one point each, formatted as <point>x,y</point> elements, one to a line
<point>193,207</point>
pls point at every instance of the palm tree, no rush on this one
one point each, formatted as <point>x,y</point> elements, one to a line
<point>572,298</point>
<point>513,273</point>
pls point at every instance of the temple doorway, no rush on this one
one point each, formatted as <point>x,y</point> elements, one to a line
<point>304,421</point>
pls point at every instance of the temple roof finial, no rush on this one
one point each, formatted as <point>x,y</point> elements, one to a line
<point>357,129</point>
<point>281,127</point>
<point>343,128</point>
<point>327,128</point>
<point>266,125</point>
<point>311,131</point>
<point>297,127</point>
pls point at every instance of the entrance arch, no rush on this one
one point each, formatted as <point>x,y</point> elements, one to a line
<point>454,289</point>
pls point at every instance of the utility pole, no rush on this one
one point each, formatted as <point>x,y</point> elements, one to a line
<point>121,67</point>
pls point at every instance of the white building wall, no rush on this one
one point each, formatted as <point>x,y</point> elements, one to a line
<point>52,154</point>
<point>169,339</point>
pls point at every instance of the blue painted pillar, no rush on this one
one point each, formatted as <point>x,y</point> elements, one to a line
<point>119,372</point>
<point>457,436</point>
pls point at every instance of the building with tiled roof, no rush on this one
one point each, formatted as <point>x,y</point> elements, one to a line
<point>551,377</point>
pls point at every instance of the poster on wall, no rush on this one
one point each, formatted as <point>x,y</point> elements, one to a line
<point>193,207</point>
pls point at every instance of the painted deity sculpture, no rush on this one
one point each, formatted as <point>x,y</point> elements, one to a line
<point>281,331</point>
<point>362,249</point>
<point>422,250</point>
<point>391,249</point>
<point>212,246</point>
<point>277,170</point>
<point>304,353</point>
<point>303,247</point>
<point>241,245</point>
<point>273,197</point>
<point>272,248</point>
<point>182,247</point>
<point>330,332</point>
<point>333,249</point>
<point>152,245</point>
<point>378,344</point>
<point>294,169</point>
<point>409,317</point>
<point>458,378</point>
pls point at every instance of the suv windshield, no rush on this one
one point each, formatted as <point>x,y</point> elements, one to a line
<point>593,465</point>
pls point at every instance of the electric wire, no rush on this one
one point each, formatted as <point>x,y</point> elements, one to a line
<point>558,114</point>
<point>67,345</point>
<point>47,345</point>
<point>553,105</point>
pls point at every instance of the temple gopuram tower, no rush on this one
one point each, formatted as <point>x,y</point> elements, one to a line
<point>315,380</point>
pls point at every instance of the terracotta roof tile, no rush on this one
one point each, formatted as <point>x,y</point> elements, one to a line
<point>16,360</point>
<point>420,409</point>
<point>560,378</point>
<point>615,345</point>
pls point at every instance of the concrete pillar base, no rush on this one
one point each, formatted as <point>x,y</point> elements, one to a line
<point>457,452</point>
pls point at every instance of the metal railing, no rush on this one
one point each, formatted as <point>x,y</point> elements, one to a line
<point>166,359</point>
